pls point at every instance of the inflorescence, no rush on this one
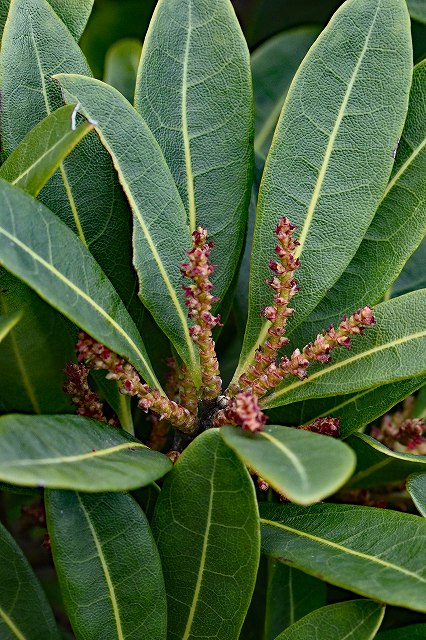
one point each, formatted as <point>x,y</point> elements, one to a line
<point>241,402</point>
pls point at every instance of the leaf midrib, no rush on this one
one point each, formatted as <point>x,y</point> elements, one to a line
<point>81,293</point>
<point>289,454</point>
<point>170,289</point>
<point>343,363</point>
<point>341,548</point>
<point>317,190</point>
<point>9,622</point>
<point>70,459</point>
<point>105,569</point>
<point>185,131</point>
<point>203,558</point>
<point>21,366</point>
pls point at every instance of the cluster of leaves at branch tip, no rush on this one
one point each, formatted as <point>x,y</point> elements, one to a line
<point>186,408</point>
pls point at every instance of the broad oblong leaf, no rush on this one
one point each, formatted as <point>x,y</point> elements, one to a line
<point>40,153</point>
<point>72,452</point>
<point>377,553</point>
<point>157,207</point>
<point>398,227</point>
<point>416,486</point>
<point>42,251</point>
<point>24,611</point>
<point>194,91</point>
<point>121,66</point>
<point>41,336</point>
<point>110,573</point>
<point>273,65</point>
<point>357,619</point>
<point>330,160</point>
<point>354,410</point>
<point>292,461</point>
<point>291,594</point>
<point>84,192</point>
<point>392,350</point>
<point>209,574</point>
<point>379,465</point>
<point>419,409</point>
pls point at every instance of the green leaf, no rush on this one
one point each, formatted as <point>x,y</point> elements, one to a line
<point>74,13</point>
<point>42,150</point>
<point>417,10</point>
<point>357,619</point>
<point>72,452</point>
<point>330,161</point>
<point>273,65</point>
<point>416,487</point>
<point>34,353</point>
<point>413,632</point>
<point>396,231</point>
<point>413,275</point>
<point>209,574</point>
<point>378,465</point>
<point>7,322</point>
<point>392,350</point>
<point>355,410</point>
<point>377,553</point>
<point>292,461</point>
<point>419,409</point>
<point>110,573</point>
<point>24,611</point>
<point>108,390</point>
<point>291,594</point>
<point>85,192</point>
<point>194,91</point>
<point>43,252</point>
<point>155,202</point>
<point>121,65</point>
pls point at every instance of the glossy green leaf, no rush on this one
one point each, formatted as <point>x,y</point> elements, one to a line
<point>157,207</point>
<point>74,13</point>
<point>413,632</point>
<point>413,275</point>
<point>72,452</point>
<point>209,574</point>
<point>396,231</point>
<point>330,160</point>
<point>42,150</point>
<point>357,619</point>
<point>378,465</point>
<point>24,611</point>
<point>110,573</point>
<point>194,91</point>
<point>394,349</point>
<point>355,410</point>
<point>377,553</point>
<point>417,10</point>
<point>42,251</point>
<point>85,192</point>
<point>291,594</point>
<point>121,66</point>
<point>41,336</point>
<point>7,322</point>
<point>416,487</point>
<point>274,64</point>
<point>292,461</point>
